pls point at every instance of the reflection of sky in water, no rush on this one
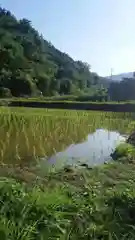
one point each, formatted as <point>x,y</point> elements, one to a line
<point>95,150</point>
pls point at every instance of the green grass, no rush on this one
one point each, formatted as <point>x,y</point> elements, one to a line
<point>124,151</point>
<point>81,204</point>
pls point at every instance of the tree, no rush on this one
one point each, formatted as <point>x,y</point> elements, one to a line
<point>43,84</point>
<point>29,63</point>
<point>5,92</point>
<point>122,91</point>
<point>21,84</point>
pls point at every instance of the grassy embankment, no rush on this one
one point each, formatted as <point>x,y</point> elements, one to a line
<point>72,203</point>
<point>85,204</point>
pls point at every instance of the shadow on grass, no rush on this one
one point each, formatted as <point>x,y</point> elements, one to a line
<point>119,216</point>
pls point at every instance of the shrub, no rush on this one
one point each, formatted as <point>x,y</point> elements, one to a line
<point>5,92</point>
<point>124,150</point>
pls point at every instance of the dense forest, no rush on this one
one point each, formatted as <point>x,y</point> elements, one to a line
<point>32,66</point>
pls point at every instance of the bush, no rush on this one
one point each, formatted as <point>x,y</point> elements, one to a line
<point>5,92</point>
<point>124,150</point>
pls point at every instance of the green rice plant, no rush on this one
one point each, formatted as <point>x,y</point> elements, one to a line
<point>34,133</point>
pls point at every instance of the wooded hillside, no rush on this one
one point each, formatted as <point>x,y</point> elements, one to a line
<point>30,65</point>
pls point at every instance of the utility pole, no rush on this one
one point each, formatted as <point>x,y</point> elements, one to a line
<point>111,73</point>
<point>109,99</point>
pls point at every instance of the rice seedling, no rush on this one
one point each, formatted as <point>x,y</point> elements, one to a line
<point>28,134</point>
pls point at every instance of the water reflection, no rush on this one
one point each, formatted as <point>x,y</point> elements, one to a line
<point>95,150</point>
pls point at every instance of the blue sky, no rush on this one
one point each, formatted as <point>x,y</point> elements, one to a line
<point>100,32</point>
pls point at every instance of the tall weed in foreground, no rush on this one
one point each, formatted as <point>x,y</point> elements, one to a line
<point>66,212</point>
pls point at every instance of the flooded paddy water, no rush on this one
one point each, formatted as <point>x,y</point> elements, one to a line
<point>96,149</point>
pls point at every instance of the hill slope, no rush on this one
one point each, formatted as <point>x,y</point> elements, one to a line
<point>30,65</point>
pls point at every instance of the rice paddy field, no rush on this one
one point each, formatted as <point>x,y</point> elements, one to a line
<point>72,203</point>
<point>27,134</point>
